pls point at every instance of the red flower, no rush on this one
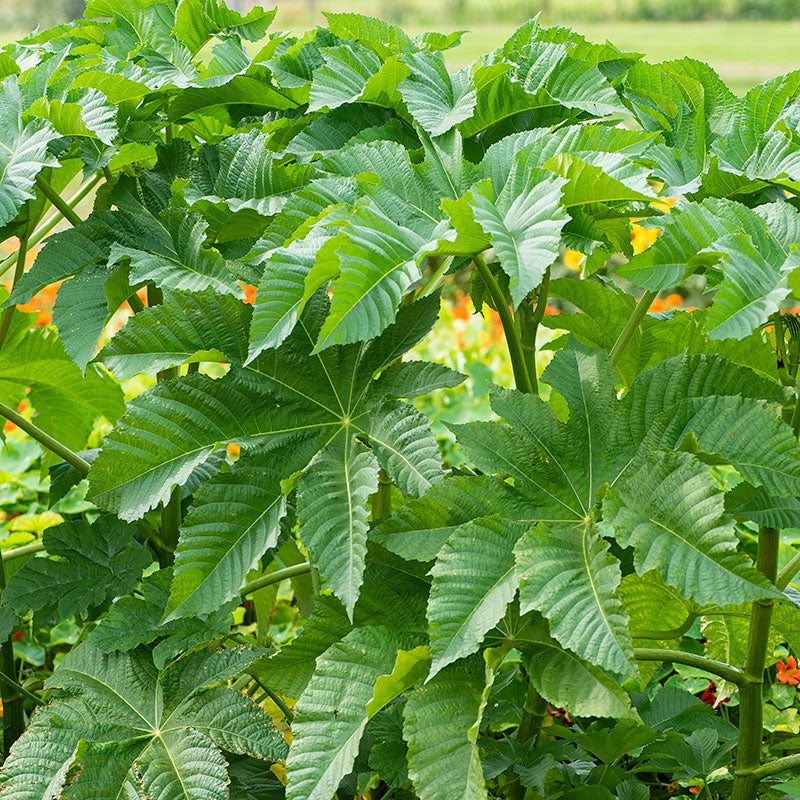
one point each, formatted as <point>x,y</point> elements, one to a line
<point>788,672</point>
<point>17,636</point>
<point>709,696</point>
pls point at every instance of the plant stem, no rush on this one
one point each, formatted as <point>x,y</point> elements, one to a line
<point>51,223</point>
<point>530,725</point>
<point>521,377</point>
<point>24,550</point>
<point>751,715</point>
<point>44,439</point>
<point>788,572</point>
<point>631,326</point>
<point>722,670</point>
<point>382,499</point>
<point>674,633</point>
<point>779,765</point>
<point>5,323</point>
<point>436,278</point>
<point>529,318</point>
<point>13,711</point>
<point>57,200</point>
<point>275,577</point>
<point>277,699</point>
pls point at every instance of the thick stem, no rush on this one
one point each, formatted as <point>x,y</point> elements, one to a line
<point>13,710</point>
<point>44,439</point>
<point>779,765</point>
<point>521,377</point>
<point>530,725</point>
<point>722,670</point>
<point>530,318</point>
<point>277,699</point>
<point>275,577</point>
<point>24,550</point>
<point>57,200</point>
<point>382,499</point>
<point>631,326</point>
<point>751,719</point>
<point>5,323</point>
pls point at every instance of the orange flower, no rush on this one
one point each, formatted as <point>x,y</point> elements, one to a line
<point>695,789</point>
<point>657,306</point>
<point>234,450</point>
<point>250,293</point>
<point>673,300</point>
<point>549,311</point>
<point>788,672</point>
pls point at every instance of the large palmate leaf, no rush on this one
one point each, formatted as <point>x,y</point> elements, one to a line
<point>563,470</point>
<point>158,731</point>
<point>285,397</point>
<point>95,563</point>
<point>473,581</point>
<point>441,728</point>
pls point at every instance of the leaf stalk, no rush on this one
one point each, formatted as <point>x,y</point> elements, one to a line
<point>275,577</point>
<point>631,326</point>
<point>513,341</point>
<point>45,439</point>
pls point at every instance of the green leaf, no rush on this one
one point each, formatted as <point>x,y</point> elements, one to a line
<point>377,267</point>
<point>331,715</point>
<point>175,258</point>
<point>188,326</point>
<point>569,576</point>
<point>405,446</point>
<point>419,529</point>
<point>95,564</point>
<point>566,681</point>
<point>66,402</point>
<point>523,223</point>
<point>196,21</point>
<point>360,28</point>
<point>354,72</point>
<point>291,668</point>
<point>435,99</point>
<point>233,521</point>
<point>90,115</point>
<point>441,727</point>
<point>24,152</point>
<point>134,621</point>
<point>473,582</point>
<point>672,512</point>
<point>333,514</point>
<point>122,720</point>
<point>757,505</point>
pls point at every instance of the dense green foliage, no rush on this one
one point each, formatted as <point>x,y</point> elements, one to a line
<point>608,524</point>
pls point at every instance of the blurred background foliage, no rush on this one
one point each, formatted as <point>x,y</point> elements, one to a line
<point>746,41</point>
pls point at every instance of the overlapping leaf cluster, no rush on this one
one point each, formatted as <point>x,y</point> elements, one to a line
<point>346,173</point>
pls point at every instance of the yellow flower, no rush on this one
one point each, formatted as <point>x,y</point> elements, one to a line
<point>573,259</point>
